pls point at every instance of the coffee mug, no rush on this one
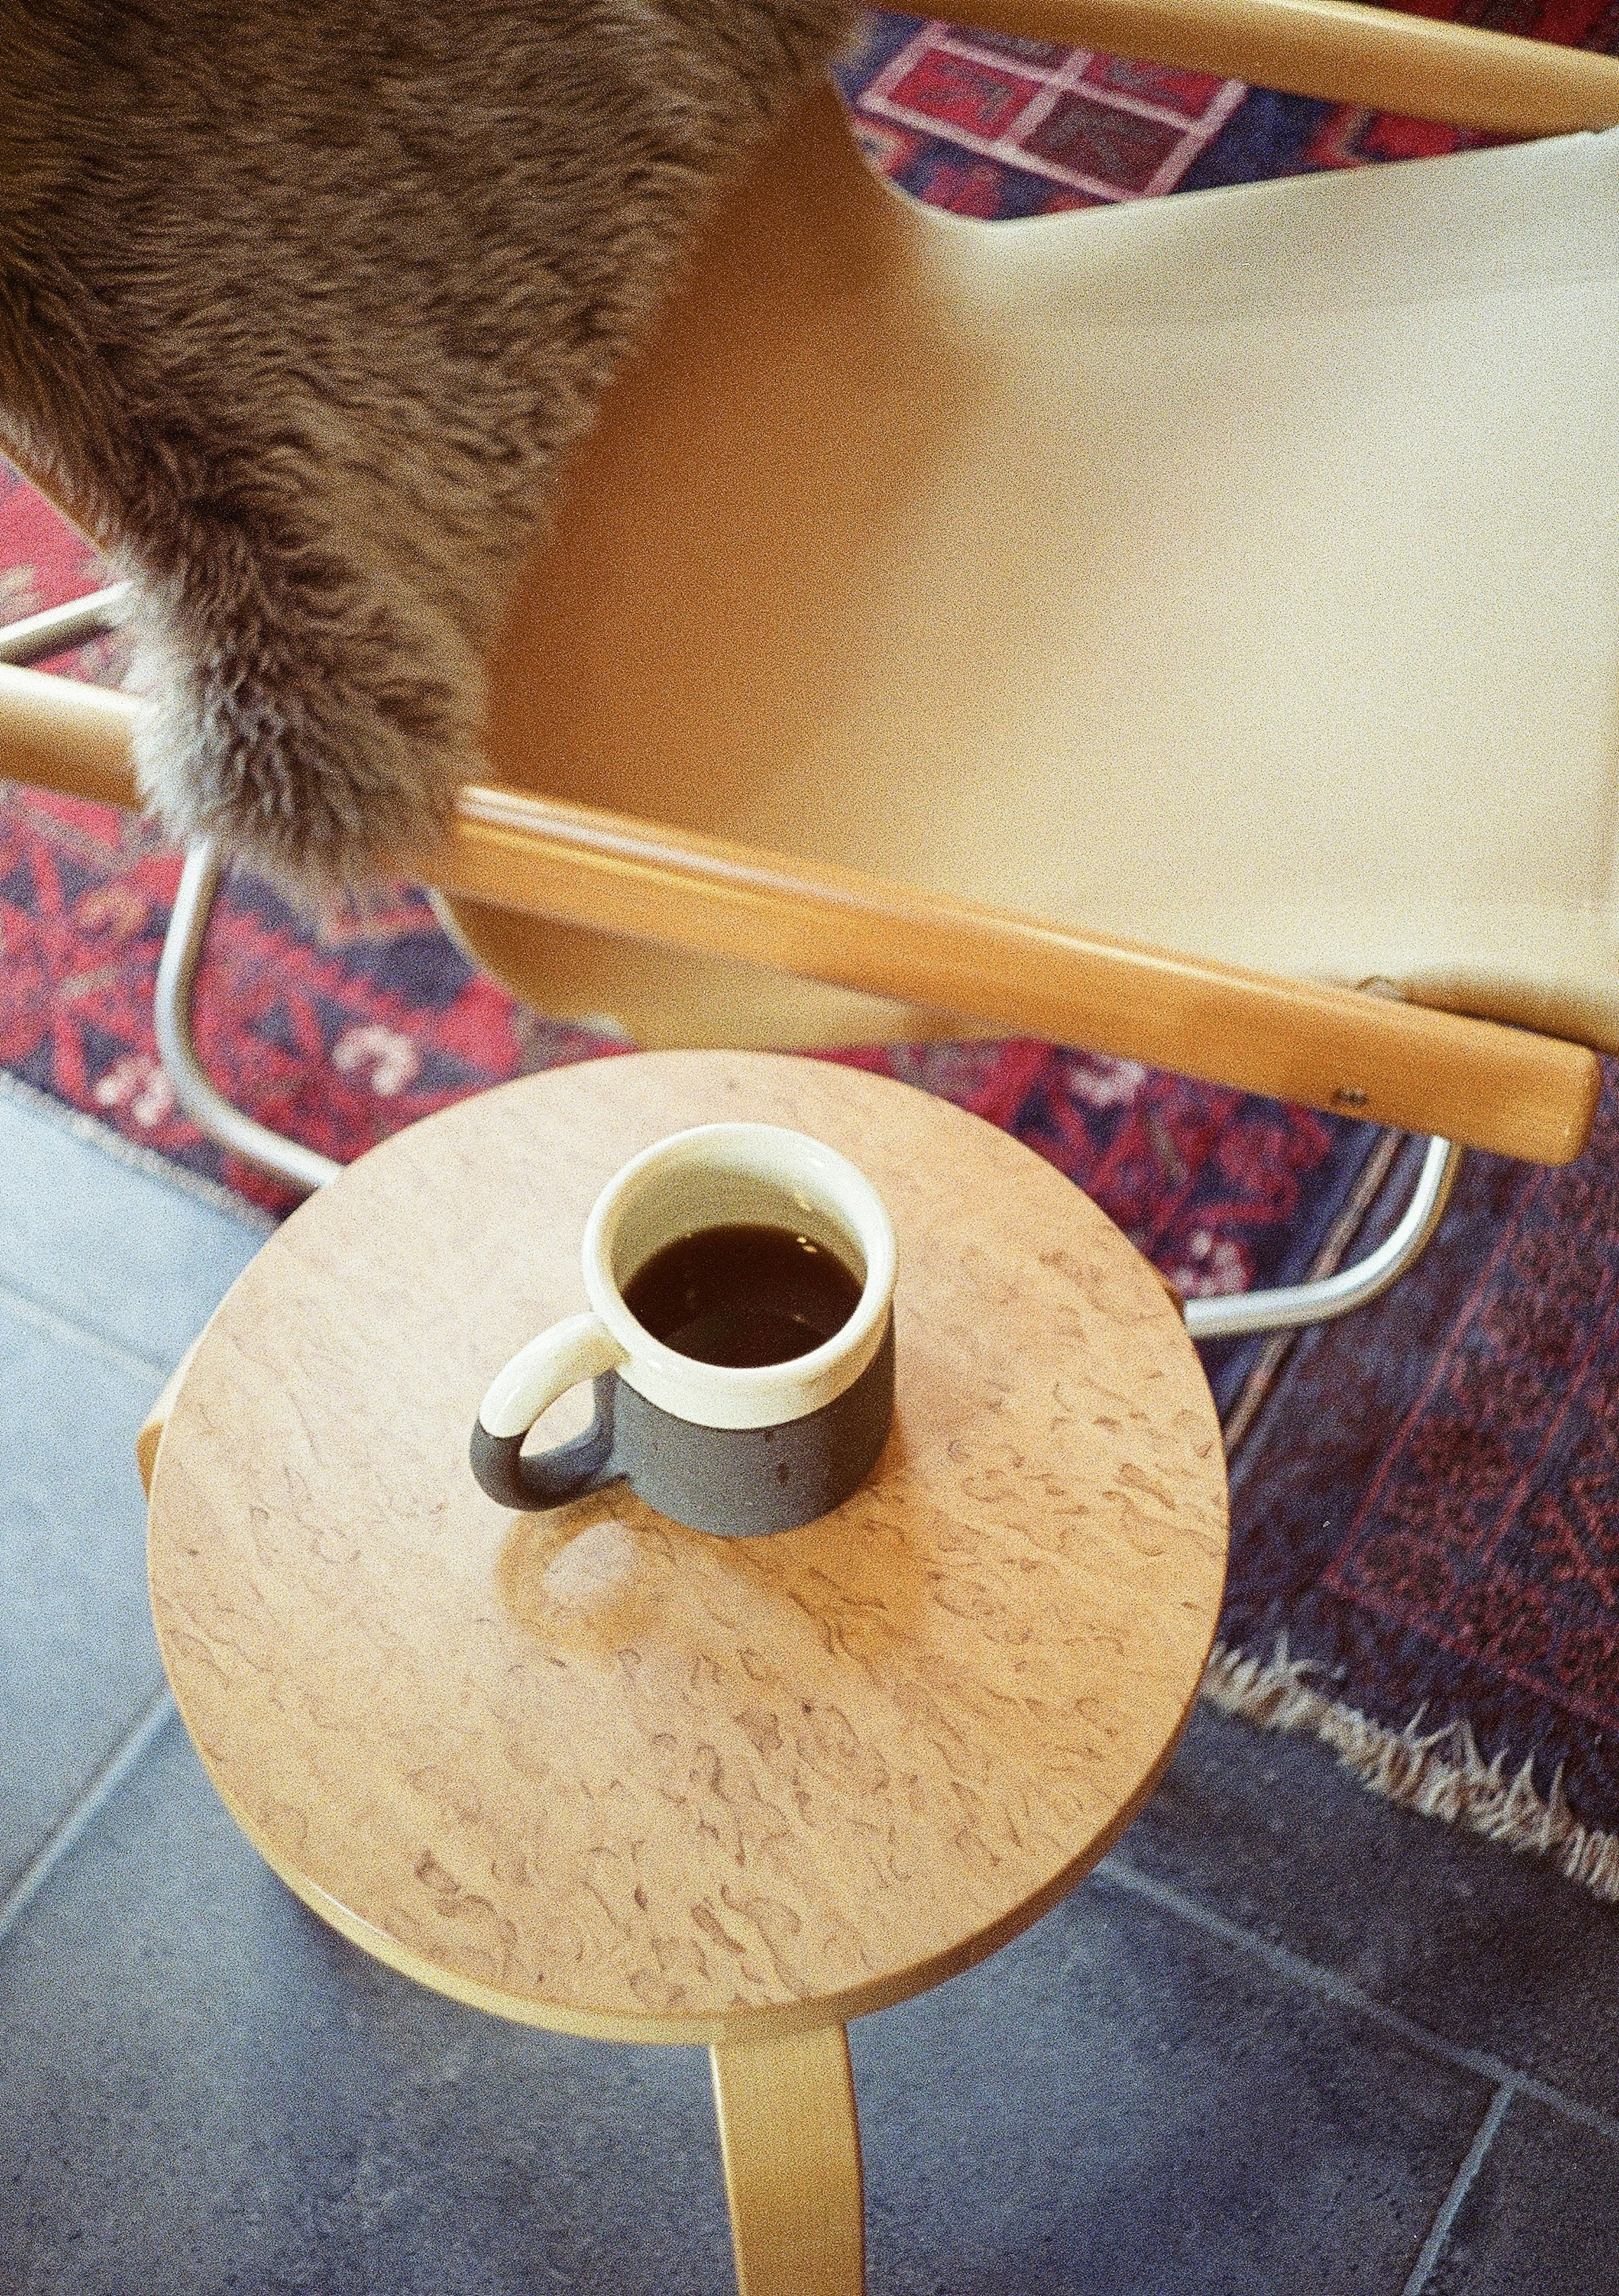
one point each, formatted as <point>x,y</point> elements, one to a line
<point>740,1336</point>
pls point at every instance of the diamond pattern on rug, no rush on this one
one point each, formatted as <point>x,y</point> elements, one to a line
<point>1091,128</point>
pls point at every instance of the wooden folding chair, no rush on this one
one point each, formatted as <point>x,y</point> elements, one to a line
<point>1186,629</point>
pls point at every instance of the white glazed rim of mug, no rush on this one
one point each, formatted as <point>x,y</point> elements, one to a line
<point>791,1165</point>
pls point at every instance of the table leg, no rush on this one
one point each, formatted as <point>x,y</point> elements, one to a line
<point>790,2142</point>
<point>151,1433</point>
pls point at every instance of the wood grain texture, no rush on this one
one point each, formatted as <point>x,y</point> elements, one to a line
<point>597,1771</point>
<point>790,2144</point>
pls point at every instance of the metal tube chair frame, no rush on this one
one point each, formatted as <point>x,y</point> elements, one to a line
<point>1463,1080</point>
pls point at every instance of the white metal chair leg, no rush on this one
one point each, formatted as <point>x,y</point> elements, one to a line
<point>1291,1304</point>
<point>36,636</point>
<point>208,1109</point>
<point>34,639</point>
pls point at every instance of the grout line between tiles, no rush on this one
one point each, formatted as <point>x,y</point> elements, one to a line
<point>57,1326</point>
<point>1439,2231</point>
<point>99,1791</point>
<point>1114,1871</point>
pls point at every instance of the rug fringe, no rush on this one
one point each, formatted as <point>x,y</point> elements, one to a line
<point>68,1119</point>
<point>1440,1773</point>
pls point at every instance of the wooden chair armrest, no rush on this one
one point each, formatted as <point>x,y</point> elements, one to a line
<point>1508,1090</point>
<point>66,736</point>
<point>1344,52</point>
<point>1479,1082</point>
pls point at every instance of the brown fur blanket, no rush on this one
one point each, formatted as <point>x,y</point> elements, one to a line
<point>301,306</point>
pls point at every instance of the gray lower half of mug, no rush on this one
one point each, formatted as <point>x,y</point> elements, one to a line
<point>738,1482</point>
<point>743,1481</point>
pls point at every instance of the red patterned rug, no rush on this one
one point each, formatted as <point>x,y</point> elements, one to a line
<point>1426,1563</point>
<point>1423,1493</point>
<point>990,124</point>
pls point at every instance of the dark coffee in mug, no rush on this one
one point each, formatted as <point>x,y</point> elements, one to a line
<point>740,1337</point>
<point>743,1295</point>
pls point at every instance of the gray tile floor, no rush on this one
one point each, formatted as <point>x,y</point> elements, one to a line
<point>1284,2039</point>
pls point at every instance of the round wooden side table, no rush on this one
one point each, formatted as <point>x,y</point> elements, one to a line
<point>597,1772</point>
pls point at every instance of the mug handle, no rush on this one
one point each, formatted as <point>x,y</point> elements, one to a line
<point>583,1348</point>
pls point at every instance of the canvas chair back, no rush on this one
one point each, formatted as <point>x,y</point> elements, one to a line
<point>1226,573</point>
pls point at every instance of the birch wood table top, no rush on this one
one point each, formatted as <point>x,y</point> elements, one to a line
<point>597,1772</point>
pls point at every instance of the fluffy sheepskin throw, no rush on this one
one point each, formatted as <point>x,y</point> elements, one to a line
<point>300,306</point>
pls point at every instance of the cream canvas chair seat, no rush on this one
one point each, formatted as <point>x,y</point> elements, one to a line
<point>1189,629</point>
<point>1236,573</point>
